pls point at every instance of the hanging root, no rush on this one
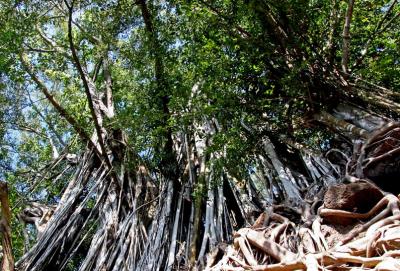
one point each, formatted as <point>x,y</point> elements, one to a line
<point>373,243</point>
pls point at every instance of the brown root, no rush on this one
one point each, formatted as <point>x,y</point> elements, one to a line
<point>372,243</point>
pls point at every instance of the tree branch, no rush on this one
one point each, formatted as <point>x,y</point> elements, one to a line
<point>91,38</point>
<point>49,124</point>
<point>108,82</point>
<point>243,32</point>
<point>79,130</point>
<point>168,163</point>
<point>51,43</point>
<point>346,37</point>
<point>378,30</point>
<point>89,90</point>
<point>330,48</point>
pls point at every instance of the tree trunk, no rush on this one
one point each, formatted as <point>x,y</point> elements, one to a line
<point>7,263</point>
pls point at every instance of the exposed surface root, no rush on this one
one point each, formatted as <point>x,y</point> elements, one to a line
<point>274,243</point>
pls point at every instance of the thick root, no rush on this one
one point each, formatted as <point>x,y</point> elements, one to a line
<point>373,244</point>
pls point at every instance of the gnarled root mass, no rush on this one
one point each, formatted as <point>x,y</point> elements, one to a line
<point>275,243</point>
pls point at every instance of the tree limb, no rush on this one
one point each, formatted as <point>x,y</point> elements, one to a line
<point>80,131</point>
<point>378,30</point>
<point>88,90</point>
<point>346,37</point>
<point>108,82</point>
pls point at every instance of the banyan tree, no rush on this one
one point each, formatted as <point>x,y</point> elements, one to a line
<point>191,135</point>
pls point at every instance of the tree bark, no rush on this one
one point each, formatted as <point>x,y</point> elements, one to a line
<point>346,37</point>
<point>7,263</point>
